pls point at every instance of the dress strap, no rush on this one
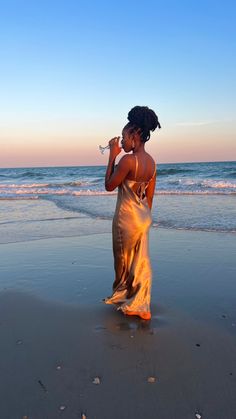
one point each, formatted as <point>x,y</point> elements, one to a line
<point>136,166</point>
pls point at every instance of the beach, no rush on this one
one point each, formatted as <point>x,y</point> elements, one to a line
<point>64,353</point>
<point>117,150</point>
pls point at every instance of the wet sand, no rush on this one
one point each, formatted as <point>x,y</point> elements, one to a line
<point>57,336</point>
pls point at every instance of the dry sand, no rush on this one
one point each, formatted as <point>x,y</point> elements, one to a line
<point>57,337</point>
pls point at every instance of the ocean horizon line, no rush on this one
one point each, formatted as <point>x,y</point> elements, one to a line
<point>104,165</point>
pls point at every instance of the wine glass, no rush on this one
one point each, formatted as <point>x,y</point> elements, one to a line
<point>103,149</point>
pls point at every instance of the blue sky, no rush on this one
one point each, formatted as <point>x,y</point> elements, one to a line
<point>73,69</point>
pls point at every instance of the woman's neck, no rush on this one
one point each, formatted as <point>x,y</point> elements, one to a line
<point>139,148</point>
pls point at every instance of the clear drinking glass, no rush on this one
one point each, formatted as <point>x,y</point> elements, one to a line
<point>103,149</point>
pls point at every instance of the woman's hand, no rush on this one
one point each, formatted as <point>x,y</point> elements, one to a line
<point>115,149</point>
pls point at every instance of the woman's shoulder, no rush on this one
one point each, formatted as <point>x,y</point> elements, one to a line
<point>152,163</point>
<point>126,160</point>
<point>150,158</point>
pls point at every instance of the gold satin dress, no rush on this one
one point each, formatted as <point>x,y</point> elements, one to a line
<point>130,230</point>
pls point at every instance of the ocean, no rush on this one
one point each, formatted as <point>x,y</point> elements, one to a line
<point>188,196</point>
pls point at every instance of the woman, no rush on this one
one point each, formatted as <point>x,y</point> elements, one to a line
<point>135,176</point>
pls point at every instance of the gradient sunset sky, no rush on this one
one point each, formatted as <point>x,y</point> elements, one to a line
<point>71,70</point>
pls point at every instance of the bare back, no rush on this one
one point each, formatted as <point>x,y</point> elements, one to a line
<point>143,170</point>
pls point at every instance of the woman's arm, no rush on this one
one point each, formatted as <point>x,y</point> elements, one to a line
<point>114,177</point>
<point>150,191</point>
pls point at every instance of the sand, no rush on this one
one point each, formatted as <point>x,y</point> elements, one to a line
<point>57,336</point>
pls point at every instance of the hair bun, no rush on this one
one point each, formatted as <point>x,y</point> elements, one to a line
<point>144,118</point>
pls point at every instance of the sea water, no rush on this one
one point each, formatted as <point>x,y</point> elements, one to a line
<point>191,196</point>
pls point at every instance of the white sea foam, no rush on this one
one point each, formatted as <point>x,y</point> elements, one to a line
<point>68,192</point>
<point>218,184</point>
<point>15,185</point>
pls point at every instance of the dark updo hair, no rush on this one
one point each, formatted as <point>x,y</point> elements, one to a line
<point>143,118</point>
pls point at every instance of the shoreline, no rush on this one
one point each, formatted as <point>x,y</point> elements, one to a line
<point>24,220</point>
<point>230,233</point>
<point>47,220</point>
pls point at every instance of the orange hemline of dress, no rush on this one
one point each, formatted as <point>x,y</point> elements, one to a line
<point>144,316</point>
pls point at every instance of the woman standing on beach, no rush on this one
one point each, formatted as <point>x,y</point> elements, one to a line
<point>135,177</point>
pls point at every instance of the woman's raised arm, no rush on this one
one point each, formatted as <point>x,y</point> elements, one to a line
<point>115,176</point>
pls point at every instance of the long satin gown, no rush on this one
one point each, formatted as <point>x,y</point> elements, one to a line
<point>130,230</point>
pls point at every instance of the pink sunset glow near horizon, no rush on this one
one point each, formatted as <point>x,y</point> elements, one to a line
<point>175,143</point>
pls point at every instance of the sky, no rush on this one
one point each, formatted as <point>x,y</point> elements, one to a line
<point>71,71</point>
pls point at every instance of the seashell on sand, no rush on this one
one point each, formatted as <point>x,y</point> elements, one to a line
<point>151,379</point>
<point>96,380</point>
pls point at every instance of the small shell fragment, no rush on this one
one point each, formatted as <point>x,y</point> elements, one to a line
<point>198,416</point>
<point>96,380</point>
<point>151,379</point>
<point>62,407</point>
<point>58,367</point>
